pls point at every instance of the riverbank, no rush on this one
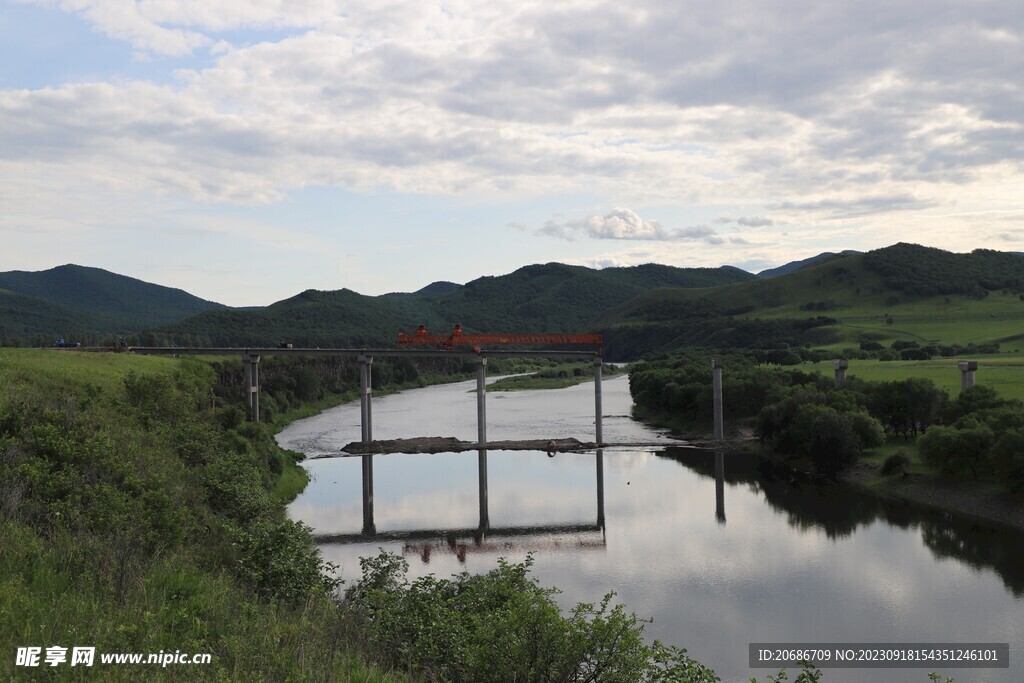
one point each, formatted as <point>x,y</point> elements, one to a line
<point>981,500</point>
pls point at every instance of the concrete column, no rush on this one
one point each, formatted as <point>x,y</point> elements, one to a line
<point>598,410</point>
<point>967,370</point>
<point>481,401</point>
<point>252,385</point>
<point>720,486</point>
<point>600,487</point>
<point>369,527</point>
<point>485,521</point>
<point>840,365</point>
<point>366,398</point>
<point>716,382</point>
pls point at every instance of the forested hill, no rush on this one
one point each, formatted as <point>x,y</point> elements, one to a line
<point>122,301</point>
<point>926,271</point>
<point>905,291</point>
<point>803,263</point>
<point>541,298</point>
<point>27,320</point>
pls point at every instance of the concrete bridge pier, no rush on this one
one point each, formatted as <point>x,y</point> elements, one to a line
<point>600,488</point>
<point>598,409</point>
<point>481,401</point>
<point>840,365</point>
<point>366,397</point>
<point>251,364</point>
<point>967,370</point>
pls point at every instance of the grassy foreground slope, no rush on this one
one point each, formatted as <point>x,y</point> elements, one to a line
<point>137,517</point>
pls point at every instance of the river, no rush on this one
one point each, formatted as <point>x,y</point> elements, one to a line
<point>756,558</point>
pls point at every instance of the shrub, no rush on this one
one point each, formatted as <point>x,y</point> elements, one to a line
<point>503,626</point>
<point>897,463</point>
<point>280,560</point>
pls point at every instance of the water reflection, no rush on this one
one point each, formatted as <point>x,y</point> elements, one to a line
<point>839,511</point>
<point>720,486</point>
<point>369,528</point>
<point>798,561</point>
<point>482,539</point>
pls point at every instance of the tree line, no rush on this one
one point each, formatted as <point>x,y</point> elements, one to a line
<point>804,414</point>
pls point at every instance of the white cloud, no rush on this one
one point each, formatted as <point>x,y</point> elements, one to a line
<point>621,224</point>
<point>888,115</point>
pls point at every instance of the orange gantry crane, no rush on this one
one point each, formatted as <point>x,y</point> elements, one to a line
<point>457,338</point>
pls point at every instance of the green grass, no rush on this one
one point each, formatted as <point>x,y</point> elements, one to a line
<point>51,367</point>
<point>121,527</point>
<point>1004,372</point>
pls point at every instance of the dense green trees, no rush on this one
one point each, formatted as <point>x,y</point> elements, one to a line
<point>925,271</point>
<point>804,414</point>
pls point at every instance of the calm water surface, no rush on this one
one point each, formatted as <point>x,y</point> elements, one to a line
<point>755,559</point>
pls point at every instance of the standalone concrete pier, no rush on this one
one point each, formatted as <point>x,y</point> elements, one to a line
<point>716,382</point>
<point>366,397</point>
<point>481,401</point>
<point>600,488</point>
<point>252,385</point>
<point>598,409</point>
<point>967,370</point>
<point>840,365</point>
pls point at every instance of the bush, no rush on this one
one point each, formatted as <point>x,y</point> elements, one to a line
<point>280,560</point>
<point>503,626</point>
<point>897,463</point>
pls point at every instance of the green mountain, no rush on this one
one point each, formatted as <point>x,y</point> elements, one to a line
<point>796,265</point>
<point>110,303</point>
<point>905,291</point>
<point>540,298</point>
<point>26,320</point>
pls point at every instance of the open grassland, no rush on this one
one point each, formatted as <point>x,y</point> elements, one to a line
<point>1004,372</point>
<point>954,319</point>
<point>998,318</point>
<point>52,367</point>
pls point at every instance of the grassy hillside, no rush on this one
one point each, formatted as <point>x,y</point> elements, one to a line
<point>133,518</point>
<point>901,292</point>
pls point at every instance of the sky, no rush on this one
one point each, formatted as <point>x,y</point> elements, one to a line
<point>247,150</point>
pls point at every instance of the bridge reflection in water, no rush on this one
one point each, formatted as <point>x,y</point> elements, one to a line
<point>487,539</point>
<point>483,538</point>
